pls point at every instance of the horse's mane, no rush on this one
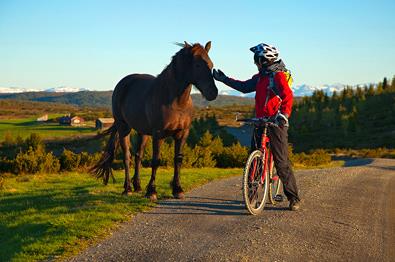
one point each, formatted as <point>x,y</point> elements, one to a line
<point>187,50</point>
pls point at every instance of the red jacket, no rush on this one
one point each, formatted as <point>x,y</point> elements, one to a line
<point>260,84</point>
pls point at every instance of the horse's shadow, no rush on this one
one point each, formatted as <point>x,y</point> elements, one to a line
<point>206,206</point>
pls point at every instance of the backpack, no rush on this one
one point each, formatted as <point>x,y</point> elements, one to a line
<point>272,85</point>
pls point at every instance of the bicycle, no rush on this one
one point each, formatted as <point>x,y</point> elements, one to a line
<point>259,177</point>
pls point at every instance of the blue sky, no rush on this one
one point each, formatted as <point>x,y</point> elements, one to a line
<point>93,44</point>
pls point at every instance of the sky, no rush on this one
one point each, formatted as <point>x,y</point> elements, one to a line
<point>93,44</point>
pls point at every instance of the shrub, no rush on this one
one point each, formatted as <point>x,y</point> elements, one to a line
<point>36,161</point>
<point>202,157</point>
<point>314,158</point>
<point>233,156</point>
<point>69,161</point>
<point>2,182</point>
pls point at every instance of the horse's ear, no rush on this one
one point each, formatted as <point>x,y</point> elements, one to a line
<point>186,44</point>
<point>208,46</point>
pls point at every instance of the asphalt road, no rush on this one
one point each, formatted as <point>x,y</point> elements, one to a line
<point>347,214</point>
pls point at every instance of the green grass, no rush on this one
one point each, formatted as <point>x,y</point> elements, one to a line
<point>25,126</point>
<point>50,216</point>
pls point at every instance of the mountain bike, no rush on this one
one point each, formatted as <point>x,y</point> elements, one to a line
<point>260,180</point>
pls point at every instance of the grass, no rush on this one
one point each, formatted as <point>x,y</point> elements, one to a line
<point>25,126</point>
<point>44,217</point>
<point>337,163</point>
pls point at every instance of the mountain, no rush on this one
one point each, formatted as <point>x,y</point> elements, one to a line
<point>307,90</point>
<point>103,98</point>
<point>60,89</point>
<point>65,89</point>
<point>299,90</point>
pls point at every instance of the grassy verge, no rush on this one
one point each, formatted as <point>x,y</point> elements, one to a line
<point>49,216</point>
<point>337,163</point>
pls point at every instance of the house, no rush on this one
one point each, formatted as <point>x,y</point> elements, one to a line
<point>65,120</point>
<point>77,121</point>
<point>43,118</point>
<point>102,123</point>
<point>71,121</point>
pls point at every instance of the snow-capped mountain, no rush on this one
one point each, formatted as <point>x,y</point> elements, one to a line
<point>16,90</point>
<point>307,90</point>
<point>60,89</point>
<point>299,90</point>
<point>64,89</point>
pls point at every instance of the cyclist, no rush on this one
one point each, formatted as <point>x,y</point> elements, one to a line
<point>273,98</point>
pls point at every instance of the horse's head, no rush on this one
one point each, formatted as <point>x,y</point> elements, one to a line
<point>198,69</point>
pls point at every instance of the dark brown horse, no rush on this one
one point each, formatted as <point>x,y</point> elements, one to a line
<point>159,107</point>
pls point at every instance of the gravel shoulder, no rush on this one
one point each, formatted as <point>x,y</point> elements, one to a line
<point>347,214</point>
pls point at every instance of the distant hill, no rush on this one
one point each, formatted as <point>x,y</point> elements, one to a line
<point>103,98</point>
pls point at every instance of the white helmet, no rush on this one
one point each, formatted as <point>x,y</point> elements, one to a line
<point>264,53</point>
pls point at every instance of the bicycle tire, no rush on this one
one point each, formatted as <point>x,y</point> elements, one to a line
<point>275,187</point>
<point>254,192</point>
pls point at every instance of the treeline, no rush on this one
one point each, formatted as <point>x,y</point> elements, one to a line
<point>361,117</point>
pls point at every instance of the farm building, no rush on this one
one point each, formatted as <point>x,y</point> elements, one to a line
<point>102,123</point>
<point>65,120</point>
<point>77,121</point>
<point>43,118</point>
<point>71,121</point>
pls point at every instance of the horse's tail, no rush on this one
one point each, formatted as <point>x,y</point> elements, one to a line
<point>103,168</point>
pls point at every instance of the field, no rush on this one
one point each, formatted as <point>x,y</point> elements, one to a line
<point>43,217</point>
<point>25,126</point>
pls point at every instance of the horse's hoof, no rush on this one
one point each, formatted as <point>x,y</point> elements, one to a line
<point>179,195</point>
<point>153,198</point>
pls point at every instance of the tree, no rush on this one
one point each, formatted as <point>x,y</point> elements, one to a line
<point>385,84</point>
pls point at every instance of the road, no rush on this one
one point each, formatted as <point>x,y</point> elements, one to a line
<point>347,214</point>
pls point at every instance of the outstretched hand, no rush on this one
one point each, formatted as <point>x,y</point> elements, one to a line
<point>219,75</point>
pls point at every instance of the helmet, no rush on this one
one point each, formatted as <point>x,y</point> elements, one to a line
<point>264,53</point>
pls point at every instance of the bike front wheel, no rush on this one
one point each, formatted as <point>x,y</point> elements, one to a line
<point>255,183</point>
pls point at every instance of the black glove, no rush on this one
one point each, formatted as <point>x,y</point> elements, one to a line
<point>282,120</point>
<point>219,75</point>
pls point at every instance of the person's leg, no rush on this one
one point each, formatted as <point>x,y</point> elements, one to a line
<point>279,146</point>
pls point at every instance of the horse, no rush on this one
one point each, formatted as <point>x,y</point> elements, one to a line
<point>160,107</point>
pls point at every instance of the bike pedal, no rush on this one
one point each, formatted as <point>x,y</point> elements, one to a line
<point>279,198</point>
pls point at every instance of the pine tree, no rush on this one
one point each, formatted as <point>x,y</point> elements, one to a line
<point>385,84</point>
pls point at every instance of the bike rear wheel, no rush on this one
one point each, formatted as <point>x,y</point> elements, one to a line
<point>255,187</point>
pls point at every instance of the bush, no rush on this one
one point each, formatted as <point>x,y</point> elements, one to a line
<point>70,161</point>
<point>314,158</point>
<point>202,157</point>
<point>233,156</point>
<point>36,161</point>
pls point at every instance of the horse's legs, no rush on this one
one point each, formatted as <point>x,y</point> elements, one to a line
<point>124,140</point>
<point>141,141</point>
<point>179,142</point>
<point>151,191</point>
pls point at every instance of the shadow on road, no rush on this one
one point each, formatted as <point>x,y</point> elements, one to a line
<point>201,206</point>
<point>357,162</point>
<point>207,206</point>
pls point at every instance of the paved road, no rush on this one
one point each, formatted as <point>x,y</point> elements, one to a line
<point>348,214</point>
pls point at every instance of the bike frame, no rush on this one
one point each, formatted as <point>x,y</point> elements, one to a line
<point>265,149</point>
<point>268,156</point>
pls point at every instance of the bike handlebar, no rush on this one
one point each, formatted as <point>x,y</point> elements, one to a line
<point>258,121</point>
